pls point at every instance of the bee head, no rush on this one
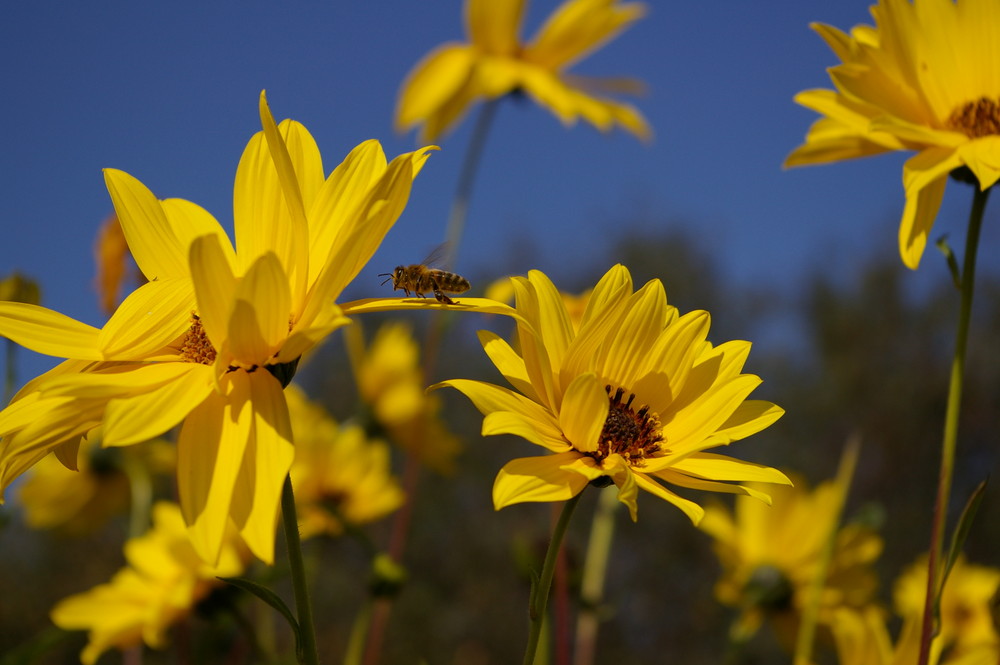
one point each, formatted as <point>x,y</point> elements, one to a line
<point>393,276</point>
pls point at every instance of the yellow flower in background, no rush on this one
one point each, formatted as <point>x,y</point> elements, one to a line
<point>162,583</point>
<point>634,396</point>
<point>966,604</point>
<point>391,382</point>
<point>337,467</point>
<point>112,258</point>
<point>495,63</point>
<point>216,332</point>
<point>770,556</point>
<point>925,78</point>
<point>82,500</point>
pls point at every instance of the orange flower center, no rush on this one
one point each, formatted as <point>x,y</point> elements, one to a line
<point>627,432</point>
<point>976,119</point>
<point>196,347</point>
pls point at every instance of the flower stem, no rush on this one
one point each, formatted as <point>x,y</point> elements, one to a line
<point>595,568</point>
<point>950,437</point>
<point>463,192</point>
<point>307,633</point>
<point>435,332</point>
<point>540,593</point>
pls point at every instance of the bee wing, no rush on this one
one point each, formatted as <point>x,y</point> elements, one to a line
<point>436,259</point>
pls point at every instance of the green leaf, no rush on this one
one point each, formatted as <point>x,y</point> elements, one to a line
<point>945,248</point>
<point>271,599</point>
<point>962,531</point>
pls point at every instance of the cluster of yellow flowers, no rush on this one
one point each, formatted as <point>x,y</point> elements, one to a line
<point>616,386</point>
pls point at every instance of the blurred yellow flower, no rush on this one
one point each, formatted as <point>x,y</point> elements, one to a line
<point>495,63</point>
<point>967,634</point>
<point>635,395</point>
<point>338,468</point>
<point>80,501</point>
<point>162,583</point>
<point>770,555</point>
<point>391,382</point>
<point>926,78</point>
<point>214,335</point>
<point>111,256</point>
<point>966,604</point>
<point>18,288</point>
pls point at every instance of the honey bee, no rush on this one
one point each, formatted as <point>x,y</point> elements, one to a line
<point>420,279</point>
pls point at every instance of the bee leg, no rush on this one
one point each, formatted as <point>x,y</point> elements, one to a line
<point>441,297</point>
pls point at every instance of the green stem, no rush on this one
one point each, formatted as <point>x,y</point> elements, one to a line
<point>463,192</point>
<point>951,421</point>
<point>540,593</point>
<point>435,332</point>
<point>359,633</point>
<point>141,495</point>
<point>595,568</point>
<point>300,587</point>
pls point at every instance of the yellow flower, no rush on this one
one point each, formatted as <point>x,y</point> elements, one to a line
<point>634,396</point>
<point>111,257</point>
<point>216,332</point>
<point>337,466</point>
<point>969,592</point>
<point>495,63</point>
<point>770,556</point>
<point>926,78</point>
<point>162,583</point>
<point>84,499</point>
<point>391,382</point>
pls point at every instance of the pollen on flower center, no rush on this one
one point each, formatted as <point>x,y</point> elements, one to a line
<point>627,432</point>
<point>196,347</point>
<point>976,119</point>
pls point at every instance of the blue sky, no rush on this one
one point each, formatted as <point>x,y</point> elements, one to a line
<point>168,92</point>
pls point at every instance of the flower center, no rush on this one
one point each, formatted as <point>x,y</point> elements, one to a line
<point>976,119</point>
<point>196,347</point>
<point>632,434</point>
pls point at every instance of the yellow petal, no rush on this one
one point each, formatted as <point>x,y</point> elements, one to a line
<point>579,27</point>
<point>710,466</point>
<point>479,305</point>
<point>749,418</point>
<point>259,321</point>
<point>214,286</point>
<point>148,415</point>
<point>365,231</point>
<point>924,177</point>
<point>537,479</point>
<point>280,170</point>
<point>489,398</point>
<point>493,26</point>
<point>155,246</point>
<point>682,480</point>
<point>47,331</point>
<point>543,334</point>
<point>210,452</point>
<point>266,463</point>
<point>541,434</point>
<point>303,339</point>
<point>692,426</point>
<point>510,364</point>
<point>608,293</point>
<point>339,199</point>
<point>583,412</point>
<point>983,159</point>
<point>150,318</point>
<point>189,221</point>
<point>689,508</point>
<point>432,83</point>
<point>625,354</point>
